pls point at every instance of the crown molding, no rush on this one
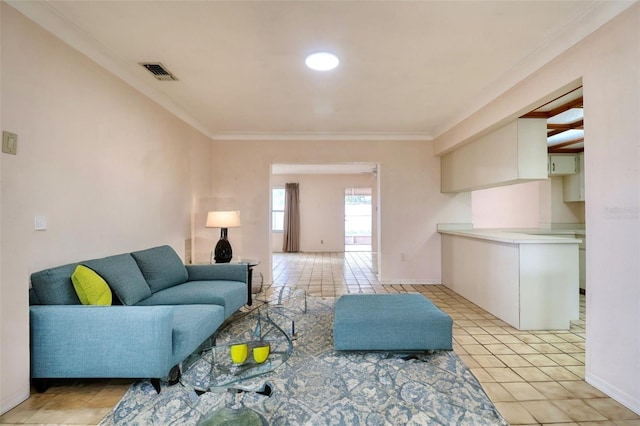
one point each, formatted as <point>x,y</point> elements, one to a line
<point>322,136</point>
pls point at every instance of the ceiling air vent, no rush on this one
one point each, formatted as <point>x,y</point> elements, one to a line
<point>159,71</point>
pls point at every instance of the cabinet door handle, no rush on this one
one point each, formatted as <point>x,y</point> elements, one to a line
<point>553,167</point>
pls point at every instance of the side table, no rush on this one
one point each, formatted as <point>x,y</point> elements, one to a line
<point>251,263</point>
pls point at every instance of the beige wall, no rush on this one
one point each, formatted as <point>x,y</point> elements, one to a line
<point>513,206</point>
<point>607,64</point>
<point>410,200</point>
<point>553,209</point>
<point>7,398</point>
<point>111,171</point>
<point>321,209</point>
<point>525,205</point>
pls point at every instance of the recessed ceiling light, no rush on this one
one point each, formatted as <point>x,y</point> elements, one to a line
<point>322,61</point>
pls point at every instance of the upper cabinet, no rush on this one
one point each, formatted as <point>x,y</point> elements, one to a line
<point>516,152</point>
<point>573,185</point>
<point>562,164</point>
<point>544,142</point>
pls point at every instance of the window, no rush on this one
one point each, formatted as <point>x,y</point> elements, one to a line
<point>277,209</point>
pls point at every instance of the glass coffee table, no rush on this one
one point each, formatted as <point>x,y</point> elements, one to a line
<point>285,303</point>
<point>270,321</point>
<point>253,342</point>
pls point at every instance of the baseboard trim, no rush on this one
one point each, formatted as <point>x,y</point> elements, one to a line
<point>623,398</point>
<point>11,401</point>
<point>411,282</point>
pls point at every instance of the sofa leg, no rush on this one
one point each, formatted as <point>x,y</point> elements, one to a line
<point>41,385</point>
<point>174,375</point>
<point>156,384</point>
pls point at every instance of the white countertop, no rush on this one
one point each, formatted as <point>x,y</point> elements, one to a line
<point>520,236</point>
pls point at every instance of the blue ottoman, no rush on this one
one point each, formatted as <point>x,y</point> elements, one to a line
<point>390,322</point>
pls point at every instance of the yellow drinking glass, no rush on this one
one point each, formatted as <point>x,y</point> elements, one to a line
<point>239,353</point>
<point>261,353</point>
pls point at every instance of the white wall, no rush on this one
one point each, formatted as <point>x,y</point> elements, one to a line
<point>110,169</point>
<point>410,200</point>
<point>321,209</point>
<point>607,64</point>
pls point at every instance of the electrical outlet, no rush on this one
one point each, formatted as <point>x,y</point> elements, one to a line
<point>9,143</point>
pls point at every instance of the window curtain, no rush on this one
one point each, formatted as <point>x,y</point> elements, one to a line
<point>291,237</point>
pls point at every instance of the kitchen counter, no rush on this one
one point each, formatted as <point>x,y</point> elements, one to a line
<point>529,278</point>
<point>519,236</point>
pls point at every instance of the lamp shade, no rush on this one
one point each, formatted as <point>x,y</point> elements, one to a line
<point>223,219</point>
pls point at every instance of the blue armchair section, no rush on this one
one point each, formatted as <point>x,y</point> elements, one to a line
<point>163,312</point>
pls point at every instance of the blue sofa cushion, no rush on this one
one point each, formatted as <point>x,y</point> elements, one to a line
<point>161,267</point>
<point>218,271</point>
<point>231,295</point>
<point>33,297</point>
<point>122,274</point>
<point>53,286</point>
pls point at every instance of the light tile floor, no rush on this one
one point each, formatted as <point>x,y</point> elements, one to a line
<point>532,377</point>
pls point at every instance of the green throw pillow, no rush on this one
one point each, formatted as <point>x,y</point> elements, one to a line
<point>90,287</point>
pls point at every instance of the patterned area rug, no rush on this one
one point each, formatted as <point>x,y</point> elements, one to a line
<point>319,386</point>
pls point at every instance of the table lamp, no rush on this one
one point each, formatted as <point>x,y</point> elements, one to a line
<point>223,220</point>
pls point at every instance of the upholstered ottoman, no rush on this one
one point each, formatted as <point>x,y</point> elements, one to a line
<point>390,322</point>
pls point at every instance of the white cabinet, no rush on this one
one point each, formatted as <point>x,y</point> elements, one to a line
<point>531,286</point>
<point>582,263</point>
<point>516,152</point>
<point>562,164</point>
<point>573,185</point>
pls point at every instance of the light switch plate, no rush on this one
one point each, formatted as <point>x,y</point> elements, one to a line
<point>9,143</point>
<point>40,223</point>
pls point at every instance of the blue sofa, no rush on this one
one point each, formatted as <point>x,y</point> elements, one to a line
<point>162,311</point>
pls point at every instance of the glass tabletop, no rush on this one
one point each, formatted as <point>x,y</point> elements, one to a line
<point>239,353</point>
<point>254,342</point>
<point>284,304</point>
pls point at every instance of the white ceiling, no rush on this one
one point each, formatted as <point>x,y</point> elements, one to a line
<point>408,70</point>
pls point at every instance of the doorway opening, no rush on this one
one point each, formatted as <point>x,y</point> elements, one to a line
<point>357,219</point>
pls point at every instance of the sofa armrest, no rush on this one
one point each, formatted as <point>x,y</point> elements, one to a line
<point>100,341</point>
<point>219,271</point>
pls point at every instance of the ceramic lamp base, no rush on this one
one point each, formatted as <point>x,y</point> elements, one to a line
<point>223,252</point>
